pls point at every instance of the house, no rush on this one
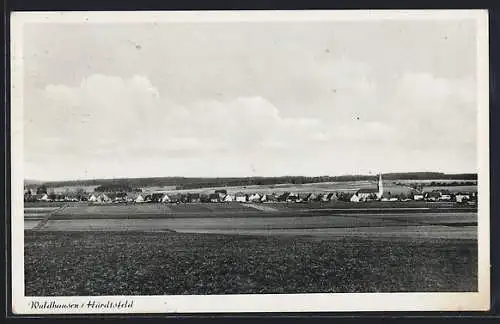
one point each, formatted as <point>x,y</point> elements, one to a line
<point>269,198</point>
<point>214,198</point>
<point>445,197</point>
<point>324,197</point>
<point>240,197</point>
<point>293,197</point>
<point>332,197</point>
<point>120,197</point>
<point>157,196</point>
<point>432,196</point>
<point>103,198</point>
<point>418,197</point>
<point>193,197</point>
<point>221,192</point>
<point>312,197</point>
<point>304,197</point>
<point>174,198</point>
<point>139,199</point>
<point>461,198</point>
<point>355,198</point>
<point>367,193</point>
<point>228,198</point>
<point>165,199</point>
<point>283,196</point>
<point>92,198</point>
<point>254,197</point>
<point>43,197</point>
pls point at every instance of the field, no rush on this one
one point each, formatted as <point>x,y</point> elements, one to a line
<point>322,187</point>
<point>214,248</point>
<point>137,263</point>
<point>452,189</point>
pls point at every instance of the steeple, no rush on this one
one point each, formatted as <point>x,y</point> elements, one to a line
<point>380,186</point>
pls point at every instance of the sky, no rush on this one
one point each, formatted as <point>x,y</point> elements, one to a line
<point>248,98</point>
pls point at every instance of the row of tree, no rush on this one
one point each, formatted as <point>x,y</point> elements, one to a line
<point>191,183</point>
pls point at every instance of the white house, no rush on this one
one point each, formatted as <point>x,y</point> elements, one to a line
<point>366,193</point>
<point>103,198</point>
<point>139,199</point>
<point>355,198</point>
<point>228,198</point>
<point>418,197</point>
<point>461,198</point>
<point>165,199</point>
<point>240,197</point>
<point>254,197</point>
<point>445,197</point>
<point>92,198</point>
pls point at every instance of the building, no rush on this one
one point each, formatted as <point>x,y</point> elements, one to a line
<point>269,198</point>
<point>193,197</point>
<point>139,199</point>
<point>283,196</point>
<point>312,197</point>
<point>240,197</point>
<point>461,198</point>
<point>221,192</point>
<point>354,198</point>
<point>332,197</point>
<point>254,197</point>
<point>445,197</point>
<point>418,197</point>
<point>214,197</point>
<point>365,194</point>
<point>380,186</point>
<point>433,196</point>
<point>103,198</point>
<point>228,198</point>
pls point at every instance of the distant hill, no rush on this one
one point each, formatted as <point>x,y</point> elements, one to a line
<point>192,183</point>
<point>32,182</point>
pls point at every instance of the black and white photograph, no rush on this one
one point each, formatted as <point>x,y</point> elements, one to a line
<point>249,161</point>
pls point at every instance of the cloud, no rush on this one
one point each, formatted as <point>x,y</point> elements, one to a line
<point>113,122</point>
<point>109,116</point>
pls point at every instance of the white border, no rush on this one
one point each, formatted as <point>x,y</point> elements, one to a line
<point>254,303</point>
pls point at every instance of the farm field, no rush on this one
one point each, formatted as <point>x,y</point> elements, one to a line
<point>322,187</point>
<point>329,220</point>
<point>166,263</point>
<point>234,248</point>
<point>452,189</point>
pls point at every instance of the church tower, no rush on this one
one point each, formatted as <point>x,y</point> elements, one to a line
<point>380,186</point>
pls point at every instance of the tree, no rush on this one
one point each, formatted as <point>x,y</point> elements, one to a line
<point>41,190</point>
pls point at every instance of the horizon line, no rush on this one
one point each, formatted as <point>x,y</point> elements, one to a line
<point>249,176</point>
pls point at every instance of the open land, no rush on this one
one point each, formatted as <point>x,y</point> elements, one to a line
<point>164,263</point>
<point>235,248</point>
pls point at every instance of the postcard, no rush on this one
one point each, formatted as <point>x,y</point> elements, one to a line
<point>249,161</point>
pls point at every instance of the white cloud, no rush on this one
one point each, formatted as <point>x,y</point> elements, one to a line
<point>107,119</point>
<point>107,116</point>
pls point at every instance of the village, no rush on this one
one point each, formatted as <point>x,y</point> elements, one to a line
<point>222,196</point>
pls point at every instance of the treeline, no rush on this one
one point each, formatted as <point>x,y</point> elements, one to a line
<point>116,187</point>
<point>193,183</point>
